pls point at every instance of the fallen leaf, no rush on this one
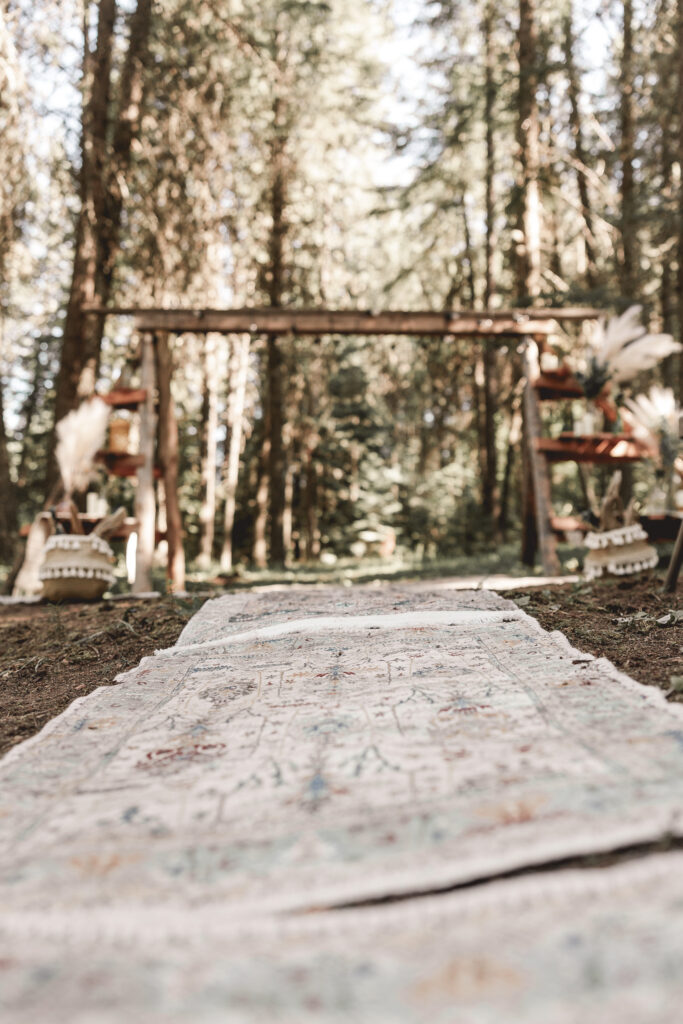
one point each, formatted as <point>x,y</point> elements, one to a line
<point>671,618</point>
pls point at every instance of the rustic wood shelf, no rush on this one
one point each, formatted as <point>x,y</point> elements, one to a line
<point>120,463</point>
<point>554,384</point>
<point>602,449</point>
<point>123,464</point>
<point>568,524</point>
<point>125,398</point>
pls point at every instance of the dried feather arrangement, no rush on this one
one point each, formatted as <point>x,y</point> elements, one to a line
<point>80,435</point>
<point>655,418</point>
<point>622,348</point>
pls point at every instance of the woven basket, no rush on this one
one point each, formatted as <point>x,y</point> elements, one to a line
<point>76,568</point>
<point>618,552</point>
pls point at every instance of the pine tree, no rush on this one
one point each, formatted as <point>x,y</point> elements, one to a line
<point>111,116</point>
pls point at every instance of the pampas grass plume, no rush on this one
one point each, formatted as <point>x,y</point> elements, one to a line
<point>80,435</point>
<point>625,348</point>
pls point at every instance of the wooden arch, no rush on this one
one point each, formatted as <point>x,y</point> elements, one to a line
<point>155,324</point>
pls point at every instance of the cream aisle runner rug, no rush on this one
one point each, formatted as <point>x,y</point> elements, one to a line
<point>573,947</point>
<point>305,750</point>
<point>185,846</point>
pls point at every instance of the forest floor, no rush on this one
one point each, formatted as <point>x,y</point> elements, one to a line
<point>630,621</point>
<point>50,654</point>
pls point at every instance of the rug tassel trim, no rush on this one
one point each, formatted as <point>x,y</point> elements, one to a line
<point>352,624</point>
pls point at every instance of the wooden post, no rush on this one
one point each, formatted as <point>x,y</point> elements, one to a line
<point>539,476</point>
<point>675,564</point>
<point>239,368</point>
<point>209,432</point>
<point>677,556</point>
<point>168,457</point>
<point>529,534</point>
<point>145,504</point>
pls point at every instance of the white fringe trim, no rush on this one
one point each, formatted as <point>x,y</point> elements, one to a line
<point>624,568</point>
<point>75,572</point>
<point>77,542</point>
<point>624,535</point>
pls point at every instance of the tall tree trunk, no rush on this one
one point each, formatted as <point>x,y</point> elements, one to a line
<point>209,429</point>
<point>168,457</point>
<point>274,358</point>
<point>105,159</point>
<point>556,268</point>
<point>145,500</point>
<point>14,167</point>
<point>478,403</point>
<point>309,488</point>
<point>8,503</point>
<point>470,275</point>
<point>528,139</point>
<point>629,244</point>
<point>89,281</point>
<point>276,452</point>
<point>259,553</point>
<point>478,368</point>
<point>513,441</point>
<point>489,488</point>
<point>679,34</point>
<point>28,411</point>
<point>580,156</point>
<point>239,365</point>
<point>667,284</point>
<point>310,509</point>
<point>490,479</point>
<point>288,514</point>
<point>490,92</point>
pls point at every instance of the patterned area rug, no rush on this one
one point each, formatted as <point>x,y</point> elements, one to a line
<point>584,947</point>
<point>312,750</point>
<point>238,613</point>
<point>316,760</point>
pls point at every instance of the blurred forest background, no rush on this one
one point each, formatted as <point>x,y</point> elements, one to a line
<point>349,154</point>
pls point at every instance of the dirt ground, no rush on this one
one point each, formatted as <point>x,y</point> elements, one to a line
<point>50,655</point>
<point>629,620</point>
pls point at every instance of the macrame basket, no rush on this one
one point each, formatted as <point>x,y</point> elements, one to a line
<point>76,568</point>
<point>618,552</point>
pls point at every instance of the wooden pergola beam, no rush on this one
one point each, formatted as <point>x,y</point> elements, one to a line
<point>321,321</point>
